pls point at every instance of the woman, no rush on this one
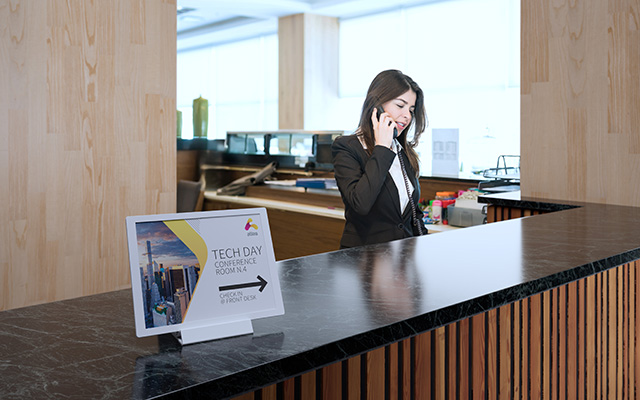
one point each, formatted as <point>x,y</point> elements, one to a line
<point>380,189</point>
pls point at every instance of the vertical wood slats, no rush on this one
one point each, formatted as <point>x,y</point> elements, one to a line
<point>498,213</point>
<point>306,41</point>
<point>574,341</point>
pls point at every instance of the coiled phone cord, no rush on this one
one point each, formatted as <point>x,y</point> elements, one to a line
<point>406,185</point>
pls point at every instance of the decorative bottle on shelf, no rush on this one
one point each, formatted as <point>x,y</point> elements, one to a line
<point>179,123</point>
<point>200,117</point>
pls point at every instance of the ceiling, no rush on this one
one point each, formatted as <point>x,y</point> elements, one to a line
<point>206,22</point>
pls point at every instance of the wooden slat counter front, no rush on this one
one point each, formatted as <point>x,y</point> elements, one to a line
<point>537,307</point>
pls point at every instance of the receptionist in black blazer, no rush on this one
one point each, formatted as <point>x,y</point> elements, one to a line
<point>377,173</point>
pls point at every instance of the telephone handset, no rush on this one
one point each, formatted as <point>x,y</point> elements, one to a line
<point>380,111</point>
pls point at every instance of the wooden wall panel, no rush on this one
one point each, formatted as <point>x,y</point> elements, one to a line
<point>576,341</point>
<point>87,120</point>
<point>291,72</point>
<point>308,70</point>
<point>580,96</point>
<point>321,35</point>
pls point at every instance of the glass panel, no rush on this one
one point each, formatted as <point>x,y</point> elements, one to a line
<point>240,81</point>
<point>236,143</point>
<point>280,144</point>
<point>365,50</point>
<point>302,145</point>
<point>255,144</point>
<point>245,143</point>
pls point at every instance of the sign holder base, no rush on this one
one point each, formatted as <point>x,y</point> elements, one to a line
<point>212,332</point>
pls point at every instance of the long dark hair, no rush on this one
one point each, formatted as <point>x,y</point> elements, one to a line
<point>386,86</point>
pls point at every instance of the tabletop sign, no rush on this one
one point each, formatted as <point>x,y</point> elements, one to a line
<point>202,275</point>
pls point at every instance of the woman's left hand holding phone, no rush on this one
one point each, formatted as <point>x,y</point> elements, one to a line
<point>383,127</point>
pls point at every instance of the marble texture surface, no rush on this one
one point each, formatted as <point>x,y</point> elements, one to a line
<point>337,305</point>
<point>515,199</point>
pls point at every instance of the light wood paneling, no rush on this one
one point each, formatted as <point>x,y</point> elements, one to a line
<point>308,70</point>
<point>87,137</point>
<point>321,70</point>
<point>580,85</point>
<point>291,72</point>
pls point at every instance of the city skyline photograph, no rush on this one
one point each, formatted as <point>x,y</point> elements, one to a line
<point>166,248</point>
<point>169,272</point>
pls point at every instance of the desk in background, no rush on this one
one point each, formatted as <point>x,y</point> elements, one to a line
<point>303,222</point>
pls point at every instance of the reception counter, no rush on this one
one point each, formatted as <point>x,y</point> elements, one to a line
<point>518,308</point>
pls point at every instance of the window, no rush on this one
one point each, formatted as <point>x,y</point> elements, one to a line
<point>464,54</point>
<point>242,94</point>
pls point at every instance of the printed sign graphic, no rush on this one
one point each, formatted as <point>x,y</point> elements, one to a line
<point>194,270</point>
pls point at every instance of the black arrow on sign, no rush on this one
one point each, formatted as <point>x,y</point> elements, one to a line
<point>261,282</point>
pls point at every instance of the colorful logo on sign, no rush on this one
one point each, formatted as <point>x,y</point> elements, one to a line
<point>249,225</point>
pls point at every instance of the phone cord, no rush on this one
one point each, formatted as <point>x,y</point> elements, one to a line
<point>414,213</point>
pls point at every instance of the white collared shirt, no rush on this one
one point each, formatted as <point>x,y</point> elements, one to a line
<point>398,178</point>
<point>396,174</point>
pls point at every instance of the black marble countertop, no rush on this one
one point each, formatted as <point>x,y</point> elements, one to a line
<point>337,305</point>
<point>515,199</point>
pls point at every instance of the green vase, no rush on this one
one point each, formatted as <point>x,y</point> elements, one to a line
<point>179,123</point>
<point>200,117</point>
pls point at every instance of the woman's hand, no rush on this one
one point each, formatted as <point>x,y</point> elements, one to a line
<point>383,128</point>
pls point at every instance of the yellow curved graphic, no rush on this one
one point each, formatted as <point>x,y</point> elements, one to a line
<point>190,238</point>
<point>194,242</point>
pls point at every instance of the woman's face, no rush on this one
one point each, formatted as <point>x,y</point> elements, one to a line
<point>401,109</point>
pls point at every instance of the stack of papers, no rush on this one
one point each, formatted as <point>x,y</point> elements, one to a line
<point>469,204</point>
<point>317,183</point>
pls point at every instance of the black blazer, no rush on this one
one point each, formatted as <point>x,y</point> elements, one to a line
<point>370,197</point>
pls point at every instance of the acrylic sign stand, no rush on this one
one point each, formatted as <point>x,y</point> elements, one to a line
<point>212,332</point>
<point>223,298</point>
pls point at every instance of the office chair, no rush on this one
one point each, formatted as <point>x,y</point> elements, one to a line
<point>190,196</point>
